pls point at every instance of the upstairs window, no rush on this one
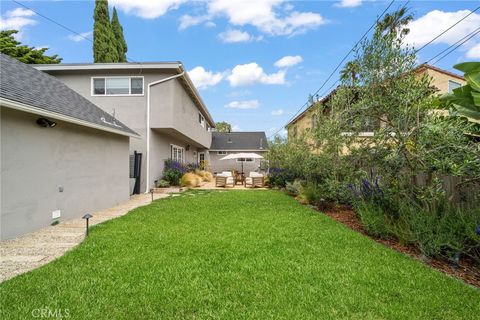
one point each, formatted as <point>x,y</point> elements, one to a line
<point>117,86</point>
<point>201,119</point>
<point>244,160</point>
<point>221,153</point>
<point>453,85</point>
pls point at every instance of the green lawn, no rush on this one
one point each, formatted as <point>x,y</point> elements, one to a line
<point>235,255</point>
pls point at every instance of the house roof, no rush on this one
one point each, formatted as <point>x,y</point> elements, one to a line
<point>174,66</point>
<point>239,141</point>
<point>425,66</point>
<point>304,112</point>
<point>25,88</point>
<point>419,69</point>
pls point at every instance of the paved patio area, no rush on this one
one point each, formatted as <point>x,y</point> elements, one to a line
<point>35,249</point>
<point>211,186</point>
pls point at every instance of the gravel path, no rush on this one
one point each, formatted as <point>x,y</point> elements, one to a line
<point>35,249</point>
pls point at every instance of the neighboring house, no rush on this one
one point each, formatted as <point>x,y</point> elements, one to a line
<point>224,143</point>
<point>443,81</point>
<point>61,156</point>
<point>157,100</point>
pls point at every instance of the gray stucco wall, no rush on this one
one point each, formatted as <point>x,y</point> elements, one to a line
<point>91,165</point>
<point>217,165</point>
<point>171,107</point>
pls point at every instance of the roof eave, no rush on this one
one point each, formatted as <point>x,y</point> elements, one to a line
<point>58,116</point>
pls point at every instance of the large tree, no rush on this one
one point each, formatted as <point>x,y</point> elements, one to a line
<point>395,23</point>
<point>120,42</point>
<point>24,53</point>
<point>104,46</point>
<point>223,126</point>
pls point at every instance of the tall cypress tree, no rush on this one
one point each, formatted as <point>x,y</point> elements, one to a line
<point>120,42</point>
<point>104,47</point>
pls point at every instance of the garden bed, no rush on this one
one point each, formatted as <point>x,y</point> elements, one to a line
<point>466,271</point>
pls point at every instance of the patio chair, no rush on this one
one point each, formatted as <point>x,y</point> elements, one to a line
<point>224,179</point>
<point>255,179</point>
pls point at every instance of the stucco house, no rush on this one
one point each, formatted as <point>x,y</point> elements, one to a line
<point>61,155</point>
<point>224,143</point>
<point>442,80</point>
<point>157,100</point>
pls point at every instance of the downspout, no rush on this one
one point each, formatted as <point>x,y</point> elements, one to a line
<point>151,84</point>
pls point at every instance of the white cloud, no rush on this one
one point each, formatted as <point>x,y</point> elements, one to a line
<point>278,112</point>
<point>251,73</point>
<point>236,128</point>
<point>425,28</point>
<point>79,37</point>
<point>474,52</point>
<point>266,15</point>
<point>187,21</point>
<point>146,9</point>
<point>348,3</point>
<point>203,78</point>
<point>248,104</point>
<point>235,35</point>
<point>288,61</point>
<point>17,19</point>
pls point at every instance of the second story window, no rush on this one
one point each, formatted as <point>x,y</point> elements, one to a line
<point>111,86</point>
<point>453,85</point>
<point>201,120</point>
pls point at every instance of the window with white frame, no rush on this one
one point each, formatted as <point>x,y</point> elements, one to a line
<point>221,153</point>
<point>111,86</point>
<point>245,160</point>
<point>177,153</point>
<point>453,85</point>
<point>201,119</point>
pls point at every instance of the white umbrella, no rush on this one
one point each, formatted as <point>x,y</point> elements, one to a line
<point>242,155</point>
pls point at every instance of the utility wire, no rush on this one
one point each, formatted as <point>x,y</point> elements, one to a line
<point>338,65</point>
<point>455,46</point>
<point>59,24</point>
<point>453,25</point>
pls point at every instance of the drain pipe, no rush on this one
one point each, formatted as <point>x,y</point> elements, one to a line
<point>151,84</point>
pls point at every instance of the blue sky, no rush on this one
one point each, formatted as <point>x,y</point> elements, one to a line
<point>234,49</point>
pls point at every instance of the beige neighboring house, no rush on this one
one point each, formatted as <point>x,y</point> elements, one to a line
<point>225,143</point>
<point>61,155</point>
<point>444,81</point>
<point>158,100</point>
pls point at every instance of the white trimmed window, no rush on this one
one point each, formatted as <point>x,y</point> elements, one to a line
<point>221,153</point>
<point>177,153</point>
<point>201,119</point>
<point>244,160</point>
<point>453,85</point>
<point>117,86</point>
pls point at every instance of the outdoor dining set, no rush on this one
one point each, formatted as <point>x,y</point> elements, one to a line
<point>233,178</point>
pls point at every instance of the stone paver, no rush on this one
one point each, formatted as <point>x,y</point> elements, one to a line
<point>35,249</point>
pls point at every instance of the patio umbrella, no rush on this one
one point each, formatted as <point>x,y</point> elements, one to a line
<point>242,155</point>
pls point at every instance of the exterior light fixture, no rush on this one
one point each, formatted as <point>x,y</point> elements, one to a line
<point>86,217</point>
<point>45,123</point>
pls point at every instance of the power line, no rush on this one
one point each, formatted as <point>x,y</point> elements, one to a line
<point>59,24</point>
<point>453,25</point>
<point>339,65</point>
<point>455,46</point>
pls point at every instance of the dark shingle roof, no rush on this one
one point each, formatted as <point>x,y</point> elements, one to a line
<point>239,141</point>
<point>22,83</point>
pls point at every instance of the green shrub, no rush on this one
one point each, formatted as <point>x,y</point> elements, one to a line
<point>172,176</point>
<point>163,184</point>
<point>444,233</point>
<point>374,219</point>
<point>294,188</point>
